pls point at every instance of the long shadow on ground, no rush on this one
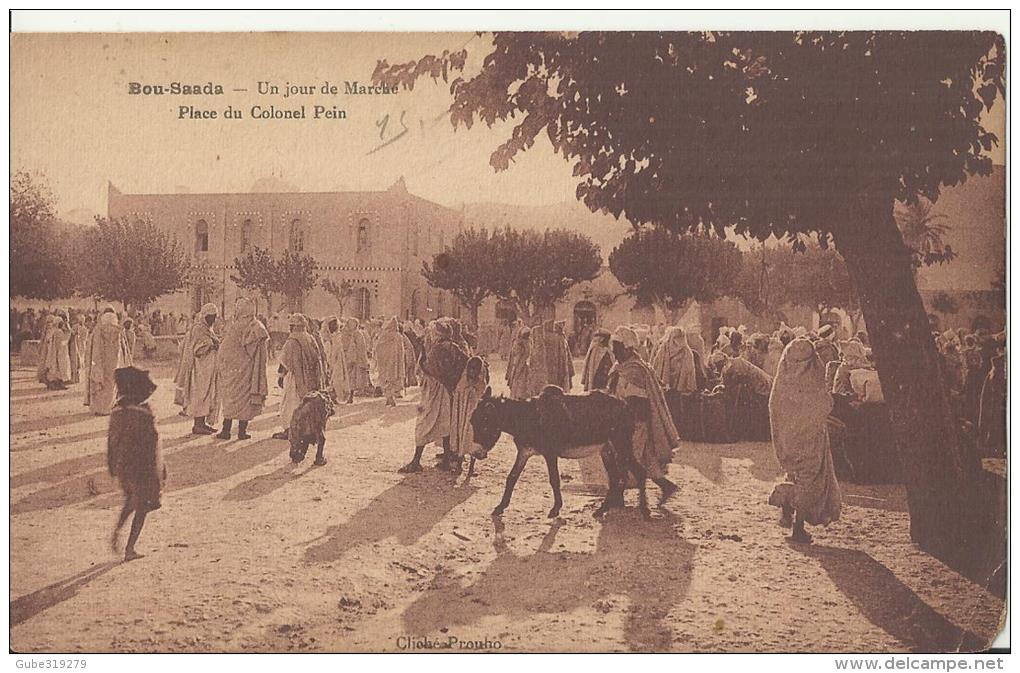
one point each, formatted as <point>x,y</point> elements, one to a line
<point>406,511</point>
<point>648,562</point>
<point>49,422</point>
<point>889,604</point>
<point>28,606</point>
<point>203,463</point>
<point>49,442</point>
<point>264,484</point>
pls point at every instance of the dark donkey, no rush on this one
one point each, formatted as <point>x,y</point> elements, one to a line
<point>555,425</point>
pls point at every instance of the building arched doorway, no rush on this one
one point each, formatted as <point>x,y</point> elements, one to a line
<point>362,303</point>
<point>585,319</point>
<point>415,311</point>
<point>585,314</point>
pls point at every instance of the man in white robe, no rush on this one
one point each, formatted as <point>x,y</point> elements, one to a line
<point>199,374</point>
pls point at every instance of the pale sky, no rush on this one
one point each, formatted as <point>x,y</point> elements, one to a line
<point>73,119</point>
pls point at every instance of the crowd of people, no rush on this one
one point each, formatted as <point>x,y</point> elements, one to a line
<point>790,378</point>
<point>31,324</point>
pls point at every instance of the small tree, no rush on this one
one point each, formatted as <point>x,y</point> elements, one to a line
<point>296,275</point>
<point>465,268</point>
<point>535,270</point>
<point>256,271</point>
<point>341,291</point>
<point>667,270</point>
<point>41,247</point>
<point>813,276</point>
<point>130,262</point>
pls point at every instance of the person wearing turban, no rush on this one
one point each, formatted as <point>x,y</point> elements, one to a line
<point>773,354</point>
<point>561,365</point>
<point>198,373</point>
<point>673,362</point>
<point>799,407</point>
<point>56,358</point>
<point>442,366</point>
<point>598,362</point>
<point>517,367</point>
<point>539,358</point>
<point>130,336</point>
<point>355,347</point>
<point>655,436</point>
<point>824,345</point>
<point>312,327</point>
<point>854,357</point>
<point>242,369</point>
<point>410,357</point>
<point>300,371</point>
<point>697,344</point>
<point>389,358</point>
<point>105,351</point>
<point>339,380</point>
<point>48,325</point>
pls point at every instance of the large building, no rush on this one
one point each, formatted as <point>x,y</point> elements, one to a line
<point>376,241</point>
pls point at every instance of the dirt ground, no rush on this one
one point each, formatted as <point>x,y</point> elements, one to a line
<point>252,553</point>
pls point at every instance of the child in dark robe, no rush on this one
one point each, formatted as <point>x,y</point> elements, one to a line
<point>133,453</point>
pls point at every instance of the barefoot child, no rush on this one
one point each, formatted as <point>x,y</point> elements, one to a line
<point>133,453</point>
<point>465,398</point>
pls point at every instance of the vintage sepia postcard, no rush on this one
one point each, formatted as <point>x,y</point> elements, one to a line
<point>652,335</point>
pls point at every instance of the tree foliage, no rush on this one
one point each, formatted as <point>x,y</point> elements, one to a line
<point>341,291</point>
<point>923,232</point>
<point>815,277</point>
<point>535,270</point>
<point>130,262</point>
<point>530,269</point>
<point>297,274</point>
<point>668,270</point>
<point>42,248</point>
<point>256,271</point>
<point>465,269</point>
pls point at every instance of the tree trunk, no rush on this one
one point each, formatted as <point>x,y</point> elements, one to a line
<point>523,311</point>
<point>473,315</point>
<point>940,474</point>
<point>673,314</point>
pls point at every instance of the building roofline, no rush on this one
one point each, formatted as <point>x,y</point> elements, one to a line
<point>380,192</point>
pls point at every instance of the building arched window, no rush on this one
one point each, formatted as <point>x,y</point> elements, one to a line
<point>296,240</point>
<point>442,240</point>
<point>201,236</point>
<point>414,239</point>
<point>363,234</point>
<point>246,228</point>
